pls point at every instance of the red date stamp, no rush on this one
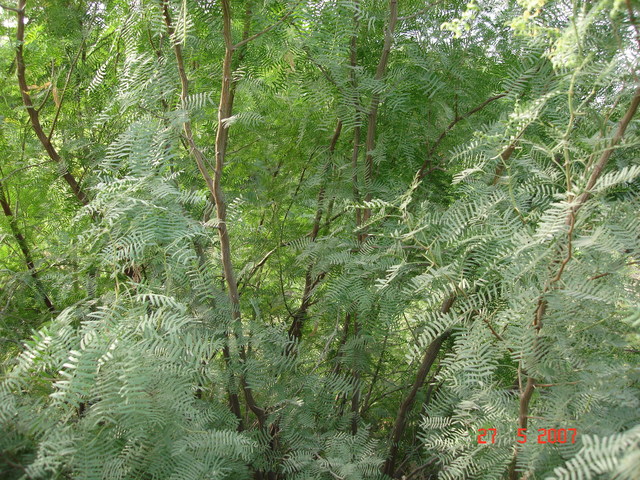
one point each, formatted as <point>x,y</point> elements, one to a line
<point>545,435</point>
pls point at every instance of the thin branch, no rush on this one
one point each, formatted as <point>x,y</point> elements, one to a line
<point>413,473</point>
<point>214,187</point>
<point>460,118</point>
<point>327,465</point>
<point>541,308</point>
<point>494,333</point>
<point>13,172</point>
<point>268,29</point>
<point>259,265</point>
<point>367,398</point>
<point>430,355</point>
<point>372,120</point>
<point>547,385</point>
<point>49,90</point>
<point>419,12</point>
<point>604,158</point>
<point>423,169</point>
<point>11,9</point>
<point>64,90</point>
<point>326,74</point>
<point>24,248</point>
<point>239,149</point>
<point>504,157</point>
<point>357,129</point>
<point>416,14</point>
<point>33,113</point>
<point>604,274</point>
<point>310,283</point>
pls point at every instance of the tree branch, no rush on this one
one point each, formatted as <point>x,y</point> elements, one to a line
<point>33,113</point>
<point>24,248</point>
<point>541,308</point>
<point>399,425</point>
<point>213,186</point>
<point>604,158</point>
<point>423,169</point>
<point>372,119</point>
<point>268,29</point>
<point>11,9</point>
<point>299,316</point>
<point>64,90</point>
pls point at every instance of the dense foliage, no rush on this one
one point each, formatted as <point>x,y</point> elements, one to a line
<point>319,239</point>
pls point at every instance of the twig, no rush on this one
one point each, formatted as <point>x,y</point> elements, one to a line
<point>545,385</point>
<point>13,172</point>
<point>268,29</point>
<point>458,118</point>
<point>420,468</point>
<point>495,334</point>
<point>241,148</point>
<point>64,90</point>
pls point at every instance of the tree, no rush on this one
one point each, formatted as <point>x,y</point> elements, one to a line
<point>304,239</point>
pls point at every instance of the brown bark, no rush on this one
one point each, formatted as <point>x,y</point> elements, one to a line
<point>505,155</point>
<point>24,248</point>
<point>222,136</point>
<point>427,362</point>
<point>214,190</point>
<point>225,109</point>
<point>34,116</point>
<point>604,157</point>
<point>425,366</point>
